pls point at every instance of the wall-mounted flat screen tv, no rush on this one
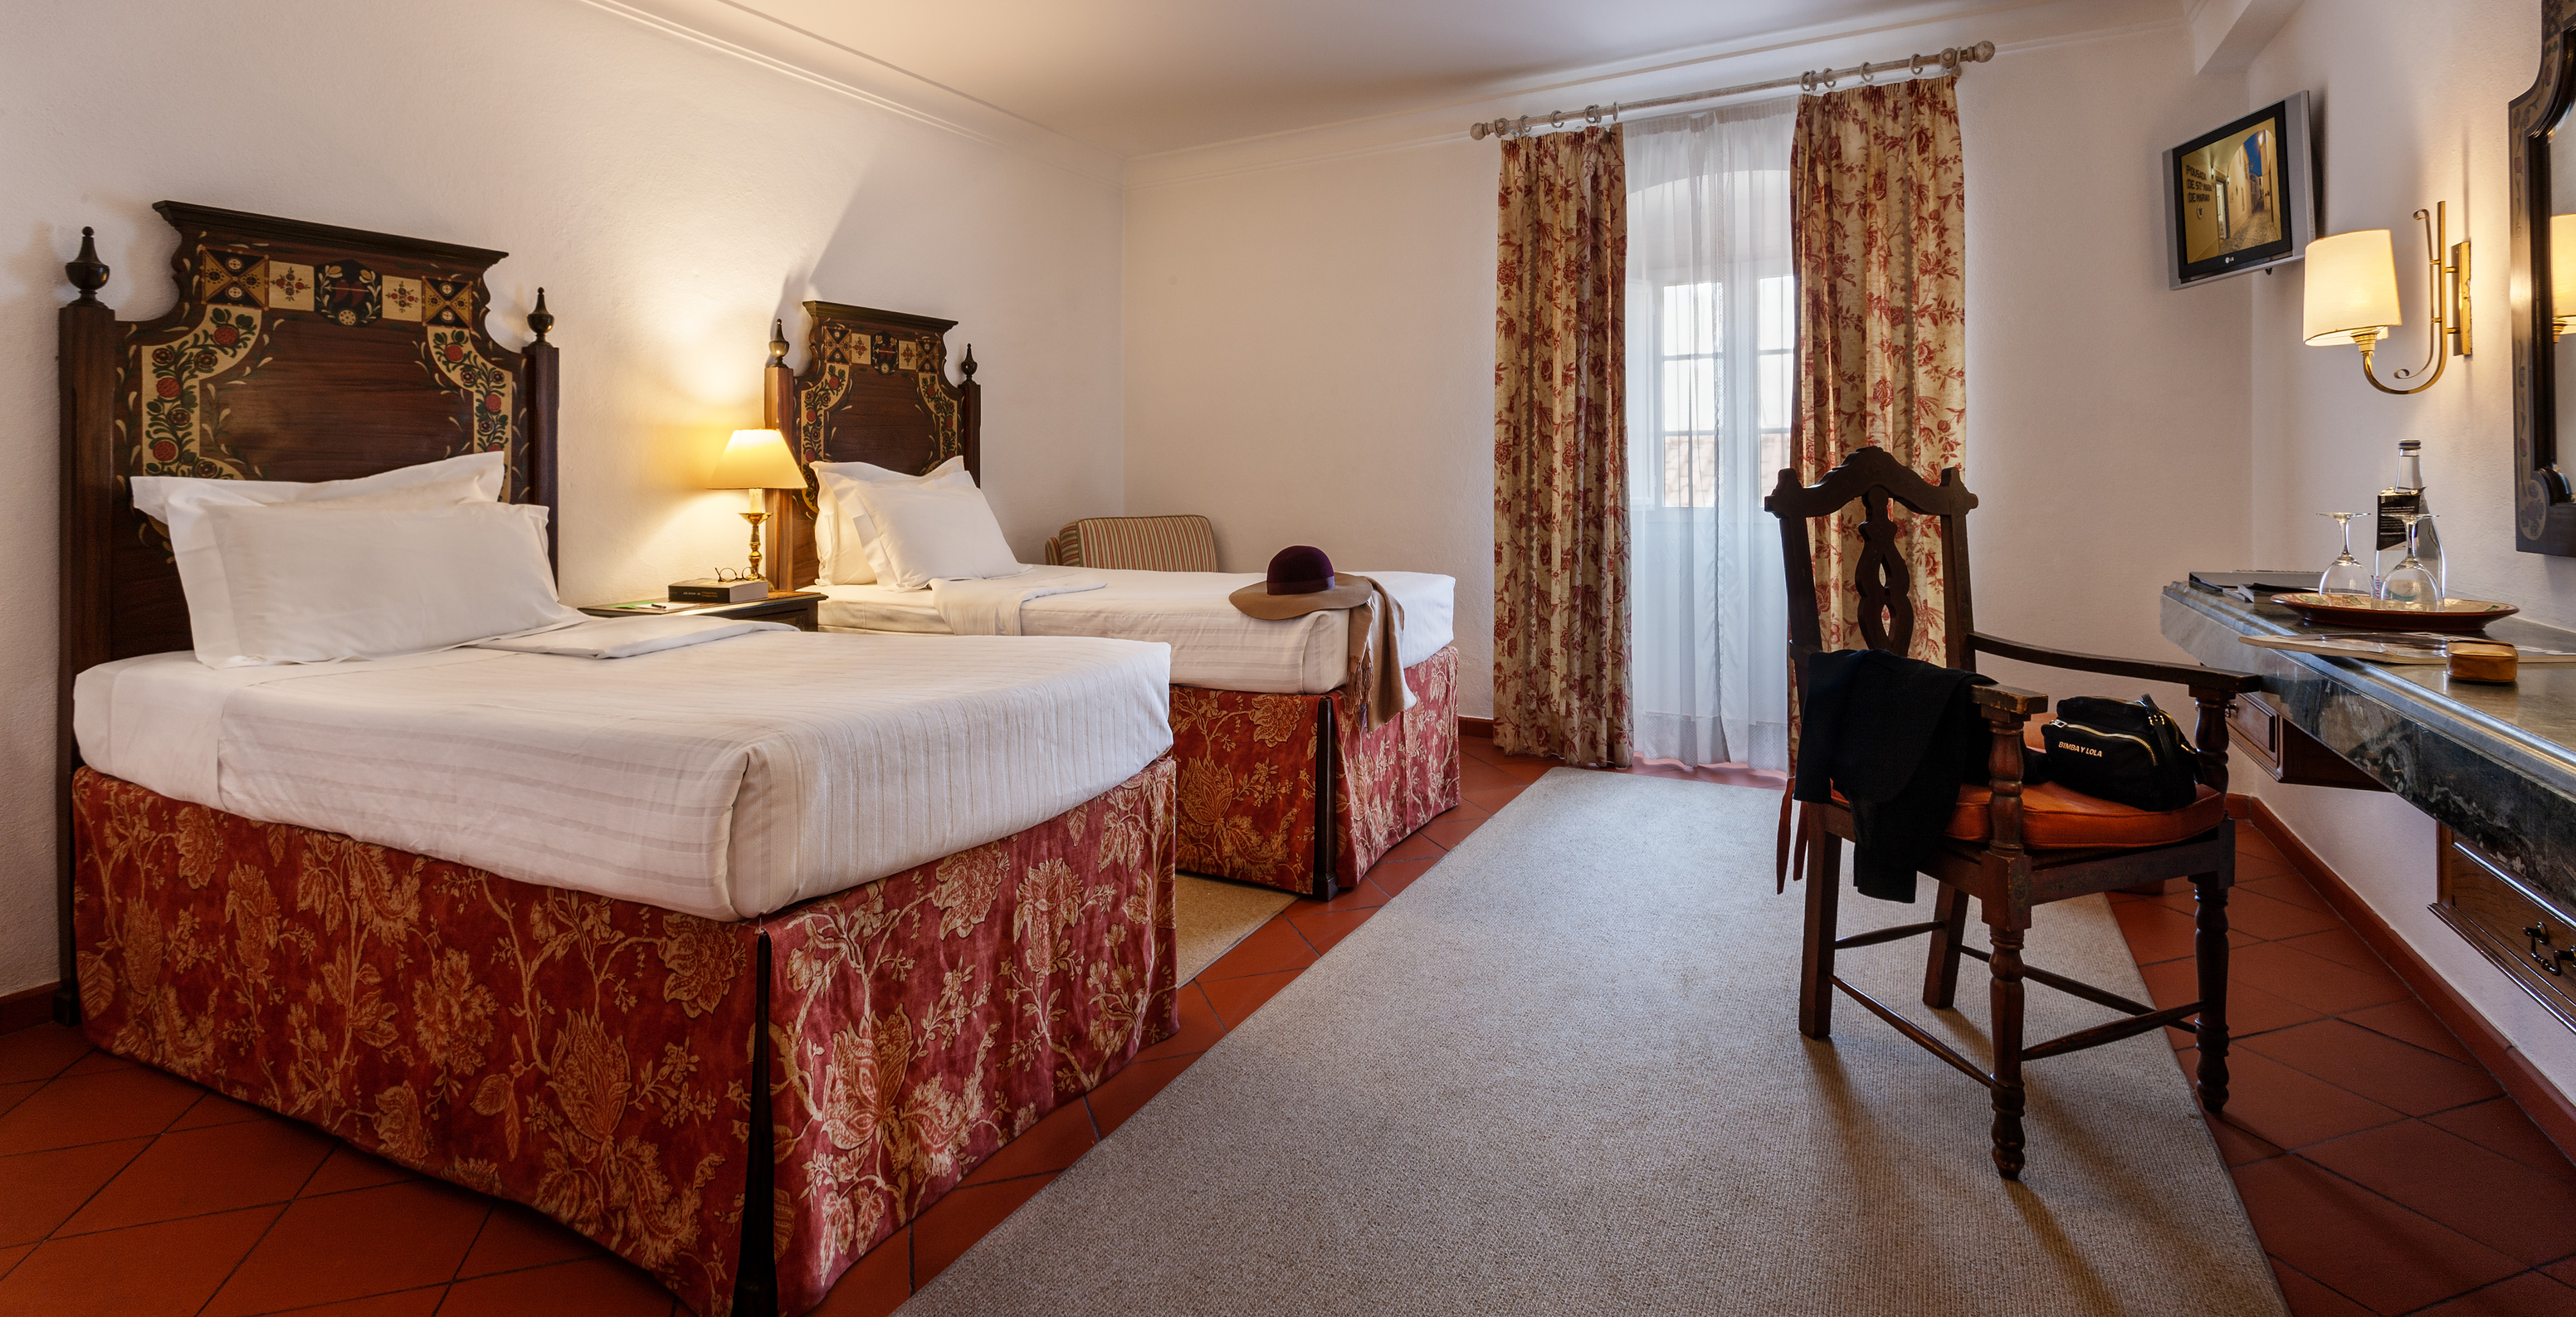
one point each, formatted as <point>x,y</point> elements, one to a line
<point>2241,197</point>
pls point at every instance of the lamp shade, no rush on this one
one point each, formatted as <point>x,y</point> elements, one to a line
<point>2352,287</point>
<point>757,459</point>
<point>2562,267</point>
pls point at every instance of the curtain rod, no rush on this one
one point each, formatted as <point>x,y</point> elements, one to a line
<point>1951,60</point>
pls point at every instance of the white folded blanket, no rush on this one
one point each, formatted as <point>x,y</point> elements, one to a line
<point>992,607</point>
<point>627,637</point>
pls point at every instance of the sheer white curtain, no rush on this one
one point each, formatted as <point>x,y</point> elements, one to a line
<point>1711,360</point>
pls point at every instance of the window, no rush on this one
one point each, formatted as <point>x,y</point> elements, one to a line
<point>1693,326</point>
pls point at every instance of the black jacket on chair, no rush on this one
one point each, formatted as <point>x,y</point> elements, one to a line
<point>1898,737</point>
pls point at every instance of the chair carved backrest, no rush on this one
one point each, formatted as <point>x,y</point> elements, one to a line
<point>1874,478</point>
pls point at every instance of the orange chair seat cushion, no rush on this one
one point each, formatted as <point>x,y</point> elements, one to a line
<point>2054,818</point>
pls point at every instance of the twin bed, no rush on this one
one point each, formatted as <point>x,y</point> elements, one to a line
<point>1283,781</point>
<point>732,954</point>
<point>732,949</point>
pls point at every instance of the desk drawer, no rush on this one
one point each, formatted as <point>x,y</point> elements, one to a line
<point>2528,936</point>
<point>2288,754</point>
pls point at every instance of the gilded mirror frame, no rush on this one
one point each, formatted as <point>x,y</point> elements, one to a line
<point>2544,510</point>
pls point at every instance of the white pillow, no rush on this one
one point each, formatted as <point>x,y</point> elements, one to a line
<point>482,472</point>
<point>180,503</point>
<point>923,532</point>
<point>326,581</point>
<point>839,547</point>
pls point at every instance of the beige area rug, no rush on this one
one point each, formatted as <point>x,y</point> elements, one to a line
<point>1211,916</point>
<point>1561,1074</point>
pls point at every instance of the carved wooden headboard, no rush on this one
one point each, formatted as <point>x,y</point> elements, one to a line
<point>296,352</point>
<point>875,389</point>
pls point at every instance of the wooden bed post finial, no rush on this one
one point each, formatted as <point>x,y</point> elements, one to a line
<point>968,365</point>
<point>540,320</point>
<point>88,273</point>
<point>778,341</point>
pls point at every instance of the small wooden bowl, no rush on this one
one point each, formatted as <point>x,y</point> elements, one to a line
<point>2490,661</point>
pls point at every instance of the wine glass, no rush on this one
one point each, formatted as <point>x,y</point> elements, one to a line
<point>2410,584</point>
<point>2347,574</point>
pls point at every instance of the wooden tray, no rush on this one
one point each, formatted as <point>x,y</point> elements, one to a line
<point>2367,614</point>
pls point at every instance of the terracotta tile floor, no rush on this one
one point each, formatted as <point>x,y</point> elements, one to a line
<point>2384,1169</point>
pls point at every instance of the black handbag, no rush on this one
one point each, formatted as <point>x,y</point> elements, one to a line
<point>2127,753</point>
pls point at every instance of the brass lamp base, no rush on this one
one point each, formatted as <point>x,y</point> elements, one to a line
<point>755,518</point>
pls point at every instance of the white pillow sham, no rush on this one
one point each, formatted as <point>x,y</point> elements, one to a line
<point>180,504</point>
<point>923,532</point>
<point>839,545</point>
<point>325,581</point>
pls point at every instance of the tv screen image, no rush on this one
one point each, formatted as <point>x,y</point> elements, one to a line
<point>2240,197</point>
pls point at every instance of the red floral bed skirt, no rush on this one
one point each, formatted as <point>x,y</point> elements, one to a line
<point>593,1058</point>
<point>1247,806</point>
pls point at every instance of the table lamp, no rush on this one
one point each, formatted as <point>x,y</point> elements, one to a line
<point>756,460</point>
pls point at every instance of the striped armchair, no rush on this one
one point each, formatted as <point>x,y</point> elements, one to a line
<point>1152,544</point>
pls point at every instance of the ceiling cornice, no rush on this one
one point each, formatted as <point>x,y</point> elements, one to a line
<point>739,32</point>
<point>2015,26</point>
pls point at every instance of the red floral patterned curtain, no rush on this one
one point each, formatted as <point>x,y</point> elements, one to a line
<point>1878,206</point>
<point>1560,449</point>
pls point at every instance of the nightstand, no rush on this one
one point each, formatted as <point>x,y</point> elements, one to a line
<point>801,607</point>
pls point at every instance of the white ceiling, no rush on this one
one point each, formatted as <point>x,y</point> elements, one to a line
<point>1135,77</point>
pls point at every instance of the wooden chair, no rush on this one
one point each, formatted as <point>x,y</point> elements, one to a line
<point>2010,848</point>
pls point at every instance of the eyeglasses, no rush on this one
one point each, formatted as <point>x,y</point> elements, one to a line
<point>729,574</point>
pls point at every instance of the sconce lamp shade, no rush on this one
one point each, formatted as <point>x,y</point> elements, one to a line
<point>756,459</point>
<point>2562,267</point>
<point>2352,287</point>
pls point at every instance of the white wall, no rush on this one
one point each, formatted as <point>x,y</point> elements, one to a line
<point>1310,360</point>
<point>2413,112</point>
<point>671,199</point>
<point>1310,345</point>
<point>2107,421</point>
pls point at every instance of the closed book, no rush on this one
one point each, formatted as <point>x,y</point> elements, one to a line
<point>709,590</point>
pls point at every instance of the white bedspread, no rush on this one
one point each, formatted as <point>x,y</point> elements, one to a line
<point>1214,644</point>
<point>724,780</point>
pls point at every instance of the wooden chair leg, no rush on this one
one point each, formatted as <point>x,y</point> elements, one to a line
<point>1941,971</point>
<point>1816,962</point>
<point>2007,1033</point>
<point>2209,948</point>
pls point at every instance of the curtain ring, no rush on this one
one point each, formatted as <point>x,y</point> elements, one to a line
<point>1914,65</point>
<point>1556,118</point>
<point>1865,79</point>
<point>1614,111</point>
<point>1592,114</point>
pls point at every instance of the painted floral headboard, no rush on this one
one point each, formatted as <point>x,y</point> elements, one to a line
<point>875,389</point>
<point>296,352</point>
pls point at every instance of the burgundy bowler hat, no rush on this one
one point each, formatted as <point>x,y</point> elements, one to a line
<point>1299,569</point>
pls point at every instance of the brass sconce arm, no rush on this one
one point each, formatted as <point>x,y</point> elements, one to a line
<point>2450,306</point>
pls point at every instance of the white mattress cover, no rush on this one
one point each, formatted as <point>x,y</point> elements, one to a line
<point>725,780</point>
<point>1214,644</point>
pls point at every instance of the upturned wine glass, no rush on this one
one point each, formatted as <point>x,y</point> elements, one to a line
<point>2410,584</point>
<point>2346,574</point>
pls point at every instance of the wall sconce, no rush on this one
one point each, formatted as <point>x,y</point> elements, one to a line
<point>2352,295</point>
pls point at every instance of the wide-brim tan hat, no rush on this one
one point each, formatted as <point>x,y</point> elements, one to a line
<point>1300,581</point>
